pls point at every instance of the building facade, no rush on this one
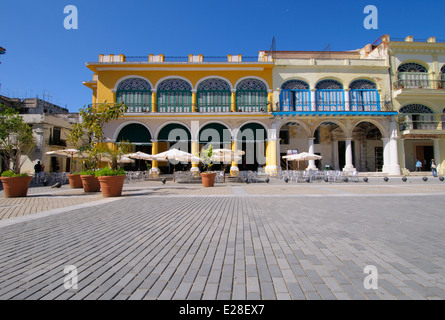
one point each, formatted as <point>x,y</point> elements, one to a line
<point>368,110</point>
<point>418,78</point>
<point>51,125</point>
<point>190,103</point>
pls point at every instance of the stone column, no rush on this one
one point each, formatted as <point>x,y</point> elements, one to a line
<point>349,166</point>
<point>270,101</point>
<point>154,164</point>
<point>234,170</point>
<point>195,152</point>
<point>437,159</point>
<point>271,156</point>
<point>154,101</point>
<point>394,151</point>
<point>311,165</point>
<point>233,101</point>
<point>313,100</point>
<point>347,104</point>
<point>194,101</point>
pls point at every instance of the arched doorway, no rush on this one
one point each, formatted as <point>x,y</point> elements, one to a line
<point>173,135</point>
<point>251,139</point>
<point>217,135</point>
<point>138,135</point>
<point>293,137</point>
<point>329,141</point>
<point>368,147</point>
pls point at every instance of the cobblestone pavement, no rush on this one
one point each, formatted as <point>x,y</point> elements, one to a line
<point>240,241</point>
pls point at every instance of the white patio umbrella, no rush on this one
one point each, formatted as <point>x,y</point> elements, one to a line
<point>302,157</point>
<point>124,159</point>
<point>225,160</point>
<point>139,155</point>
<point>226,156</point>
<point>176,155</point>
<point>65,153</point>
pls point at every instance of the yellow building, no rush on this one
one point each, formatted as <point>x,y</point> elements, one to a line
<point>189,102</point>
<point>374,109</point>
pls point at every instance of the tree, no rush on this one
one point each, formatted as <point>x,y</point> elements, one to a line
<point>16,139</point>
<point>91,127</point>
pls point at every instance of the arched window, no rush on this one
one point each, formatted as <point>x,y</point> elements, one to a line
<point>364,96</point>
<point>330,96</point>
<point>174,95</point>
<point>251,96</point>
<point>214,95</point>
<point>418,117</point>
<point>412,75</point>
<point>295,96</point>
<point>135,93</point>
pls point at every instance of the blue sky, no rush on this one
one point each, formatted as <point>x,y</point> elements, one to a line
<point>43,58</point>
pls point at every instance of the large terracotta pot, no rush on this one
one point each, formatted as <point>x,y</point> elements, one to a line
<point>208,179</point>
<point>16,186</point>
<point>111,186</point>
<point>90,183</point>
<point>75,181</point>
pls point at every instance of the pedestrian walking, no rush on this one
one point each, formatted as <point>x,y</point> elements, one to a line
<point>418,165</point>
<point>433,168</point>
<point>37,170</point>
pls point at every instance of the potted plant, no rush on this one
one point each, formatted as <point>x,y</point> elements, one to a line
<point>17,143</point>
<point>112,179</point>
<point>90,183</point>
<point>91,127</point>
<point>208,177</point>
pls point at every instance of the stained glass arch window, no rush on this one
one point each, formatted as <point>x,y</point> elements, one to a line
<point>174,85</point>
<point>412,67</point>
<point>363,85</point>
<point>134,84</point>
<point>251,85</point>
<point>415,108</point>
<point>295,85</point>
<point>214,84</point>
<point>329,85</point>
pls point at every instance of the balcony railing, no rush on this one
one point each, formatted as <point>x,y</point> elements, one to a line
<point>339,106</point>
<point>213,108</point>
<point>421,122</point>
<point>252,108</point>
<point>419,84</point>
<point>136,108</point>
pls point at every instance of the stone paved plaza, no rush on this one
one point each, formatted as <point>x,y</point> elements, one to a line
<point>236,241</point>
